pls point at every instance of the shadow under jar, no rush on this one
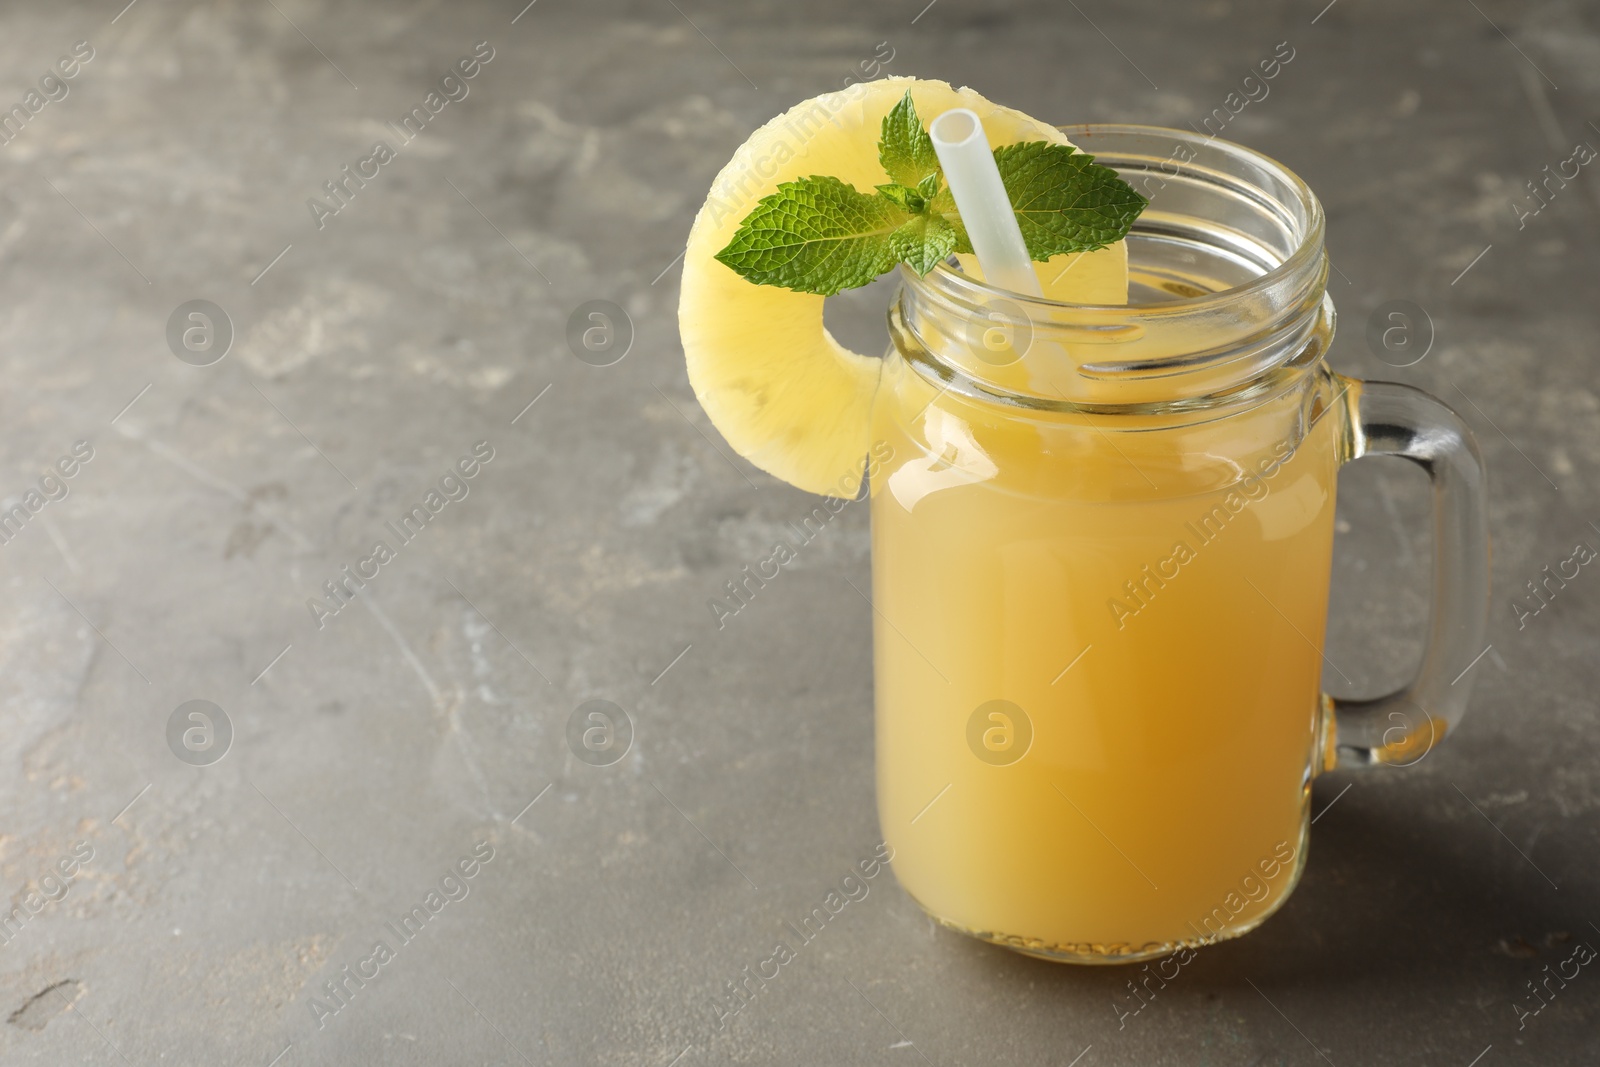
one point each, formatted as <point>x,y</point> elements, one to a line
<point>1102,540</point>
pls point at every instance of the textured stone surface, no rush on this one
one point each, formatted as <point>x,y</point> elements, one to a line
<point>423,719</point>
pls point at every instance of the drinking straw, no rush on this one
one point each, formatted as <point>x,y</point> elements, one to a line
<point>974,181</point>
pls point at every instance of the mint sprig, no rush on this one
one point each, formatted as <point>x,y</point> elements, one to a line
<point>821,235</point>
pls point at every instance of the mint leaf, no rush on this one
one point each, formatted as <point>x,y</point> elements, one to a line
<point>815,235</point>
<point>1064,200</point>
<point>909,199</point>
<point>928,188</point>
<point>943,204</point>
<point>923,242</point>
<point>904,147</point>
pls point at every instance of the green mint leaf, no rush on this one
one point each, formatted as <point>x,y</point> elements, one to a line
<point>963,243</point>
<point>904,147</point>
<point>923,242</point>
<point>815,235</point>
<point>943,204</point>
<point>909,199</point>
<point>1064,200</point>
<point>928,188</point>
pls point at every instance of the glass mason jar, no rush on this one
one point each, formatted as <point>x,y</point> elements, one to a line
<point>1102,541</point>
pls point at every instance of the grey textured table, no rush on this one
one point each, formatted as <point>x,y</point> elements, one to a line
<point>208,909</point>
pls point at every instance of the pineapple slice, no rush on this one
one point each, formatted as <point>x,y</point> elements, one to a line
<point>783,393</point>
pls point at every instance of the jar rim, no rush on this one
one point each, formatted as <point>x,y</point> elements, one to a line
<point>1227,261</point>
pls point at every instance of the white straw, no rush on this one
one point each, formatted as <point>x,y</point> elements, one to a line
<point>974,180</point>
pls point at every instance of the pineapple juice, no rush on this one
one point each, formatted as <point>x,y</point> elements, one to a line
<point>1097,657</point>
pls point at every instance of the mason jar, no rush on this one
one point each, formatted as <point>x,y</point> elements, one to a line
<point>1101,553</point>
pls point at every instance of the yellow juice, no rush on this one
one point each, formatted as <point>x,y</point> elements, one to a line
<point>1098,656</point>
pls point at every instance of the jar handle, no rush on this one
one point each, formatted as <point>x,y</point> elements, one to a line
<point>1388,419</point>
